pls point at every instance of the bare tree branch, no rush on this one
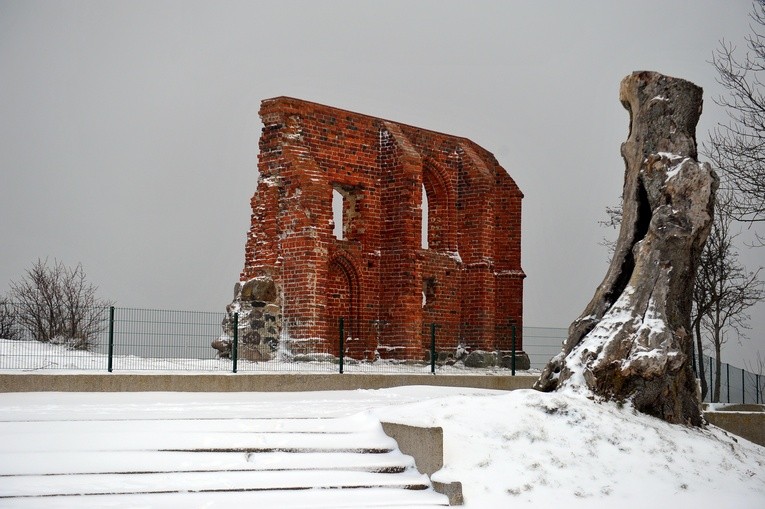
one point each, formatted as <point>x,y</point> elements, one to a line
<point>9,327</point>
<point>724,290</point>
<point>737,147</point>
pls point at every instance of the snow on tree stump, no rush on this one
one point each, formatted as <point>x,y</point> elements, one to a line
<point>633,342</point>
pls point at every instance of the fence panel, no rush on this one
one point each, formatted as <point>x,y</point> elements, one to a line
<point>736,385</point>
<point>542,344</point>
<point>153,339</point>
<point>51,341</point>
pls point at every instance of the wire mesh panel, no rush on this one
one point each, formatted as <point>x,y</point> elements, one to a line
<point>750,392</point>
<point>737,385</point>
<point>350,348</point>
<point>152,339</point>
<point>54,339</point>
<point>755,387</point>
<point>309,355</point>
<point>542,344</point>
<point>373,347</point>
<point>734,384</point>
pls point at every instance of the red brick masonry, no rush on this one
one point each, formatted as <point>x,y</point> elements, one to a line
<point>469,281</point>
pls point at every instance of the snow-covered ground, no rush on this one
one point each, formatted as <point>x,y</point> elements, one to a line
<point>516,449</point>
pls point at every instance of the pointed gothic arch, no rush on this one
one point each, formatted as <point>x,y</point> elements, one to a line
<point>343,299</point>
<point>442,212</point>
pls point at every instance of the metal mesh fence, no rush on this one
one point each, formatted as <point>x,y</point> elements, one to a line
<point>51,339</point>
<point>129,339</point>
<point>736,385</point>
<point>153,339</point>
<point>542,344</point>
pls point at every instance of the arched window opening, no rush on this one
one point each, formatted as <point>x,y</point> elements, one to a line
<point>438,212</point>
<point>425,220</point>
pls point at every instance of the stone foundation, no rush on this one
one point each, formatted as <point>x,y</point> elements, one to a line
<point>259,321</point>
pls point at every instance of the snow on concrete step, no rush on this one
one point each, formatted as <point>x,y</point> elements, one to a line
<point>313,425</point>
<point>106,484</point>
<point>285,463</point>
<point>358,433</point>
<point>378,498</point>
<point>77,462</point>
<point>55,440</point>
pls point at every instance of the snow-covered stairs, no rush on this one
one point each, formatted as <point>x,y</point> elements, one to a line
<point>274,462</point>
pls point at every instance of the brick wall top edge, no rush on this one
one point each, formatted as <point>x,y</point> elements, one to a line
<point>291,105</point>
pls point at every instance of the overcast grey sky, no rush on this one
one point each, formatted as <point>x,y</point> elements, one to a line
<point>129,130</point>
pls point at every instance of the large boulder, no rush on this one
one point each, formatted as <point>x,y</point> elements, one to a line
<point>481,359</point>
<point>257,306</point>
<point>259,289</point>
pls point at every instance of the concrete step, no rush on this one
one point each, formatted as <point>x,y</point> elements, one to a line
<point>113,484</point>
<point>135,462</point>
<point>213,441</point>
<point>378,498</point>
<point>212,462</point>
<point>179,425</point>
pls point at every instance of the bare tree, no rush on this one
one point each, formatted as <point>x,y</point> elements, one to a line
<point>738,147</point>
<point>9,327</point>
<point>56,304</point>
<point>700,305</point>
<point>724,289</point>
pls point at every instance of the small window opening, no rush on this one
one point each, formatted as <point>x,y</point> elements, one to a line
<point>425,220</point>
<point>337,214</point>
<point>428,290</point>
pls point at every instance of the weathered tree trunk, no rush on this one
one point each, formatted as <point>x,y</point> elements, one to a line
<point>634,340</point>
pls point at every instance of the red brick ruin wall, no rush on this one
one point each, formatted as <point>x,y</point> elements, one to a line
<point>378,278</point>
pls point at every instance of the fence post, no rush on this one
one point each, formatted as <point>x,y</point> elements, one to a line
<point>235,345</point>
<point>342,343</point>
<point>512,361</point>
<point>727,378</point>
<point>743,388</point>
<point>111,337</point>
<point>433,348</point>
<point>711,382</point>
<point>757,387</point>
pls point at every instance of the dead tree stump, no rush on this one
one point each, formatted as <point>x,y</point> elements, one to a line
<point>633,341</point>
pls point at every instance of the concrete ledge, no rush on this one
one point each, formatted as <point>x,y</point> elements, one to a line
<point>748,425</point>
<point>271,382</point>
<point>749,407</point>
<point>453,490</point>
<point>426,446</point>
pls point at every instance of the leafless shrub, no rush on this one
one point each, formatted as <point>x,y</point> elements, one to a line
<point>56,304</point>
<point>9,327</point>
